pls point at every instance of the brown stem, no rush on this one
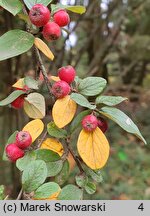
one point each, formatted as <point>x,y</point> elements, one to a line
<point>42,140</point>
<point>48,84</point>
<point>74,156</point>
<point>43,70</point>
<point>39,59</point>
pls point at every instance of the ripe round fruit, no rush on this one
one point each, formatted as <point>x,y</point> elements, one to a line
<point>13,152</point>
<point>18,103</point>
<point>102,124</point>
<point>62,18</point>
<point>39,15</point>
<point>23,139</point>
<point>60,89</point>
<point>89,123</point>
<point>51,31</point>
<point>67,74</point>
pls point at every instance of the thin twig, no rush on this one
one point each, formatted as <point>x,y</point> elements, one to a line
<point>48,84</point>
<point>6,198</point>
<point>39,59</point>
<point>74,156</point>
<point>43,70</point>
<point>42,140</point>
<point>20,194</point>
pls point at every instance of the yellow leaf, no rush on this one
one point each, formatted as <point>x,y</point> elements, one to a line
<point>93,148</point>
<point>43,48</point>
<point>54,78</point>
<point>35,128</point>
<point>19,83</point>
<point>76,9</point>
<point>53,145</point>
<point>63,111</point>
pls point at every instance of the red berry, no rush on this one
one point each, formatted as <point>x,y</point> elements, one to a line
<point>39,15</point>
<point>102,124</point>
<point>62,18</point>
<point>67,74</point>
<point>18,103</point>
<point>23,139</point>
<point>60,89</point>
<point>89,123</point>
<point>13,152</point>
<point>51,31</point>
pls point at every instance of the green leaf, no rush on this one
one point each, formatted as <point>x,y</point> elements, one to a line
<point>62,177</point>
<point>25,18</point>
<point>90,188</point>
<point>76,9</point>
<point>14,43</point>
<point>34,106</point>
<point>10,140</point>
<point>31,3</point>
<point>54,131</point>
<point>2,196</point>
<point>82,101</point>
<point>77,120</point>
<point>34,175</point>
<point>70,192</point>
<point>22,163</point>
<point>95,175</point>
<point>92,86</point>
<point>110,100</point>
<point>77,80</point>
<point>13,96</point>
<point>53,168</point>
<point>81,180</point>
<point>122,120</point>
<point>46,190</point>
<point>47,155</point>
<point>13,6</point>
<point>31,83</point>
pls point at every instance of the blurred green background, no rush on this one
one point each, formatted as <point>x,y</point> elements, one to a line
<point>111,40</point>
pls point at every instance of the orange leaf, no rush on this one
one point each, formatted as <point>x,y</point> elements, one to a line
<point>19,83</point>
<point>71,161</point>
<point>35,128</point>
<point>53,145</point>
<point>44,48</point>
<point>52,197</point>
<point>93,148</point>
<point>63,111</point>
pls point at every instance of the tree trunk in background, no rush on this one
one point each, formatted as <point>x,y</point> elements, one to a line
<point>134,73</point>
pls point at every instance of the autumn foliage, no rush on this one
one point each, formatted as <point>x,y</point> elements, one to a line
<point>77,104</point>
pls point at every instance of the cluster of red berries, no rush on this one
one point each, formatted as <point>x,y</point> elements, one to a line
<point>40,17</point>
<point>19,102</point>
<point>62,88</point>
<point>91,122</point>
<point>15,150</point>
